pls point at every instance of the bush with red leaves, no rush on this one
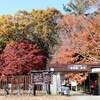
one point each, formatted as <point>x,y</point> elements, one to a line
<point>19,58</point>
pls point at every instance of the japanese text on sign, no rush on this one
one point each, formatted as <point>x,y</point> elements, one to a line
<point>77,67</point>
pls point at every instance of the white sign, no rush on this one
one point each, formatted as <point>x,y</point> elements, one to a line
<point>73,83</point>
<point>95,70</point>
<point>77,67</point>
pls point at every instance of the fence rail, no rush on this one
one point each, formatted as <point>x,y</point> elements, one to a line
<point>19,85</point>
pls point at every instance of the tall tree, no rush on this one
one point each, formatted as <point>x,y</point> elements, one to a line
<point>39,25</point>
<point>5,30</point>
<point>81,42</point>
<point>80,7</point>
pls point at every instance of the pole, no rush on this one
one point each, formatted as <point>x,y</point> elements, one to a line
<point>84,85</point>
<point>89,84</point>
<point>49,89</point>
<point>34,90</point>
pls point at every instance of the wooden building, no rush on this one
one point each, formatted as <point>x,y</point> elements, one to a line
<point>93,71</point>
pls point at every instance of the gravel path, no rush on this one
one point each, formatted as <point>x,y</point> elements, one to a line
<point>48,97</point>
<point>90,97</point>
<point>35,98</point>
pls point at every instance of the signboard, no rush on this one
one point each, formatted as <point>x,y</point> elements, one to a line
<point>37,78</point>
<point>77,67</point>
<point>40,78</point>
<point>47,78</point>
<point>73,83</point>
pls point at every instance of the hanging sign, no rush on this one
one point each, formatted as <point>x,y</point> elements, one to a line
<point>77,67</point>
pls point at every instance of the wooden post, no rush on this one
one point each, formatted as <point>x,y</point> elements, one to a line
<point>12,87</point>
<point>34,90</point>
<point>49,89</point>
<point>84,85</point>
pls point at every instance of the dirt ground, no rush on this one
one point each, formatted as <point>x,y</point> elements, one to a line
<point>35,98</point>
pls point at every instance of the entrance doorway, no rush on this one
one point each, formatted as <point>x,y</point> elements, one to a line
<point>90,79</point>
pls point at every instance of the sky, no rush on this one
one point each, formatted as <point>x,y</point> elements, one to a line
<point>12,6</point>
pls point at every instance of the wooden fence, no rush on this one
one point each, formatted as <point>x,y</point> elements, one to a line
<point>15,81</point>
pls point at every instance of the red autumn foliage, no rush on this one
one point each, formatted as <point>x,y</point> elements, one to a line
<point>77,76</point>
<point>20,58</point>
<point>81,42</point>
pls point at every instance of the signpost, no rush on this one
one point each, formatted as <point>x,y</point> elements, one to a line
<point>41,78</point>
<point>47,78</point>
<point>37,78</point>
<point>74,84</point>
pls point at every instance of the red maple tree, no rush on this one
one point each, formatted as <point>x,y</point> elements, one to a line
<point>20,58</point>
<point>80,40</point>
